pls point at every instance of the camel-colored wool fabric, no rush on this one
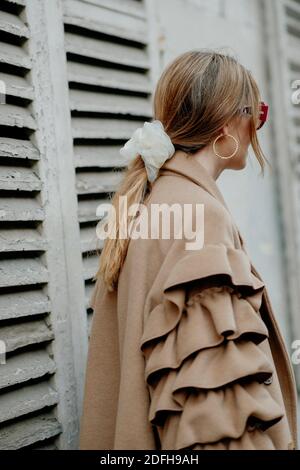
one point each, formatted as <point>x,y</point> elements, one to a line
<point>187,352</point>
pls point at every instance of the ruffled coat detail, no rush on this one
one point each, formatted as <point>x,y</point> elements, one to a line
<point>203,364</point>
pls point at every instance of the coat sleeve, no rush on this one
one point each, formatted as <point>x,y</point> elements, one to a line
<point>206,373</point>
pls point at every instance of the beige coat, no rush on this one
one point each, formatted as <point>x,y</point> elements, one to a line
<point>188,353</point>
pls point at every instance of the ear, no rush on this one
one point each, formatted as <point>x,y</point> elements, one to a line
<point>225,129</point>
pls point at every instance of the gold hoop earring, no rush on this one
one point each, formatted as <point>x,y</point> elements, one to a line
<point>225,135</point>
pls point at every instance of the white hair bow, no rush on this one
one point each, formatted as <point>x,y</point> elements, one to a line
<point>153,144</point>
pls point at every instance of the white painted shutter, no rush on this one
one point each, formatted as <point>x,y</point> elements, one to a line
<point>282,20</point>
<point>291,43</point>
<point>292,15</point>
<point>110,96</point>
<point>28,395</point>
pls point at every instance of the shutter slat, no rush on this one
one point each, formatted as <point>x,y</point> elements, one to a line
<point>103,20</point>
<point>17,2</point>
<point>28,431</point>
<point>21,272</point>
<point>17,86</point>
<point>25,209</point>
<point>87,210</point>
<point>131,7</point>
<point>107,51</point>
<point>13,148</point>
<point>12,24</point>
<point>24,367</point>
<point>29,333</point>
<point>87,101</point>
<point>21,179</point>
<point>15,116</point>
<point>93,128</point>
<point>21,240</point>
<point>90,266</point>
<point>89,183</point>
<point>14,55</point>
<point>24,239</point>
<point>20,402</point>
<point>103,157</point>
<point>89,240</point>
<point>23,304</point>
<point>108,77</point>
<point>292,8</point>
<point>293,26</point>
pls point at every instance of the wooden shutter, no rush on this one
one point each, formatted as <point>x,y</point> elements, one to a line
<point>282,22</point>
<point>110,96</point>
<point>42,314</point>
<point>292,15</point>
<point>291,42</point>
<point>28,396</point>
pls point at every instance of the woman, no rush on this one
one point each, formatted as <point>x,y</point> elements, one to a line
<point>185,351</point>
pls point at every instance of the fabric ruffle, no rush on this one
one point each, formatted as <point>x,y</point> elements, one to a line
<point>203,364</point>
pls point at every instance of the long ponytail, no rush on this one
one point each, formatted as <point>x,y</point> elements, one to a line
<point>136,187</point>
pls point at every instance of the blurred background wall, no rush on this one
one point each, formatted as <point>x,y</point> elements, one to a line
<point>77,77</point>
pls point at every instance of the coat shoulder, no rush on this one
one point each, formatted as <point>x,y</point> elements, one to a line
<point>173,188</point>
<point>196,202</point>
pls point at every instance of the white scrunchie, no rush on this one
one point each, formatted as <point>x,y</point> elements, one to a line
<point>153,144</point>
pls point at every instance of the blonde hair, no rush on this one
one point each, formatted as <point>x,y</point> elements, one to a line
<point>196,95</point>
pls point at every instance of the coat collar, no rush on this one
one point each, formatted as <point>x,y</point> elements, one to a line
<point>183,164</point>
<point>187,166</point>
